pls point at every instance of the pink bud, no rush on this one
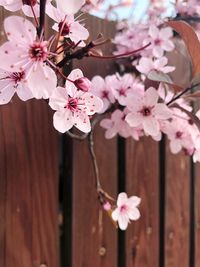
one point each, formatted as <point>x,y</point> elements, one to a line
<point>107,206</point>
<point>29,2</point>
<point>83,84</point>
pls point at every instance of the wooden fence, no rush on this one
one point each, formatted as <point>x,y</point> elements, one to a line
<point>43,174</point>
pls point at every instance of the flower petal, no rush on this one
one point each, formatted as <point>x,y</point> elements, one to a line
<point>122,198</point>
<point>63,120</point>
<point>42,81</point>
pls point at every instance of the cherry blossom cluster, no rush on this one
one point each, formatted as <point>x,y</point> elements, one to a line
<point>139,112</point>
<point>31,66</point>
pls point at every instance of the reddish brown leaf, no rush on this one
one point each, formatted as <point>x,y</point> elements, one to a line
<point>191,40</point>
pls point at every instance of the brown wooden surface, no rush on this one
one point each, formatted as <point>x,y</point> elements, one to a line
<point>177,204</point>
<point>142,179</point>
<point>28,175</point>
<point>29,191</point>
<point>89,238</point>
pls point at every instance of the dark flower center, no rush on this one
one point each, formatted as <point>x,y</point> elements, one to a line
<point>146,111</point>
<point>17,76</point>
<point>38,51</point>
<point>179,134</point>
<point>122,92</point>
<point>72,104</point>
<point>157,42</point>
<point>105,94</point>
<point>64,28</point>
<point>123,208</point>
<point>29,2</point>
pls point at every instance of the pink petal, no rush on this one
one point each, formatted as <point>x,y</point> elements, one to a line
<point>42,81</point>
<point>175,146</point>
<point>151,126</point>
<point>63,120</point>
<point>115,214</point>
<point>9,56</point>
<point>153,32</point>
<point>122,198</point>
<point>168,45</point>
<point>13,5</point>
<point>7,91</point>
<point>158,51</point>
<point>134,119</point>
<point>19,30</point>
<point>134,201</point>
<point>23,92</point>
<point>74,75</point>
<point>134,214</point>
<point>106,123</point>
<point>70,7</point>
<point>145,65</point>
<point>82,122</point>
<point>161,111</point>
<point>58,99</point>
<point>123,222</point>
<point>166,33</point>
<point>93,103</point>
<point>78,32</point>
<point>151,97</point>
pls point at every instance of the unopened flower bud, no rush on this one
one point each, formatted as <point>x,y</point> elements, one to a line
<point>107,206</point>
<point>83,84</point>
<point>29,2</point>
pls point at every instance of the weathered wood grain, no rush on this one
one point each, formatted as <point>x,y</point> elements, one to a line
<point>94,241</point>
<point>142,179</point>
<point>29,176</point>
<point>177,205</point>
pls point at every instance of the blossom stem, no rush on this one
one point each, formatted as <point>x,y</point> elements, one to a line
<point>94,161</point>
<point>182,93</point>
<point>34,15</point>
<point>102,195</point>
<point>127,54</point>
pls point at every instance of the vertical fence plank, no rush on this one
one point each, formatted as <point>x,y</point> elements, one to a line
<point>94,243</point>
<point>29,157</point>
<point>197,214</point>
<point>177,214</point>
<point>142,179</point>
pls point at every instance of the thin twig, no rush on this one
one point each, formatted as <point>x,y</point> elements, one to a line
<point>102,195</point>
<point>76,136</point>
<point>182,93</point>
<point>94,161</point>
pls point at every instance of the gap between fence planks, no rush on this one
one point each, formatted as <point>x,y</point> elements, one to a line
<point>94,242</point>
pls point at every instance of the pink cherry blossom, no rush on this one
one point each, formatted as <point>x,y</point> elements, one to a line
<point>190,7</point>
<point>147,64</point>
<point>25,6</point>
<point>73,107</point>
<point>117,125</point>
<point>66,24</point>
<point>24,52</point>
<point>11,83</point>
<point>160,40</point>
<point>101,88</point>
<point>70,7</point>
<point>146,111</point>
<point>123,86</point>
<point>127,209</point>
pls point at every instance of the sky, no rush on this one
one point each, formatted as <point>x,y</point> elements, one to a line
<point>135,12</point>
